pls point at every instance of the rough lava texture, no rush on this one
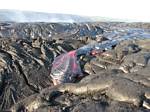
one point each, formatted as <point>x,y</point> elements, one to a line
<point>115,81</point>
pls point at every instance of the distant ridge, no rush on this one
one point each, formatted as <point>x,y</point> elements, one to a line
<point>29,16</point>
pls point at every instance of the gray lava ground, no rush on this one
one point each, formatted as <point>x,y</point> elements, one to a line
<point>116,82</point>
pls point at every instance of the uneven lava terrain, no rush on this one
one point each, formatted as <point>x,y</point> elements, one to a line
<point>118,81</point>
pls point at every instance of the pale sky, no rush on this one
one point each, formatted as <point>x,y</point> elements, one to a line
<point>121,9</point>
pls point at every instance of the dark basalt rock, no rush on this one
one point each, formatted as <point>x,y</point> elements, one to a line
<point>27,51</point>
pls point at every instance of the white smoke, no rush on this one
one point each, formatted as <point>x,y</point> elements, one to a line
<point>27,16</point>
